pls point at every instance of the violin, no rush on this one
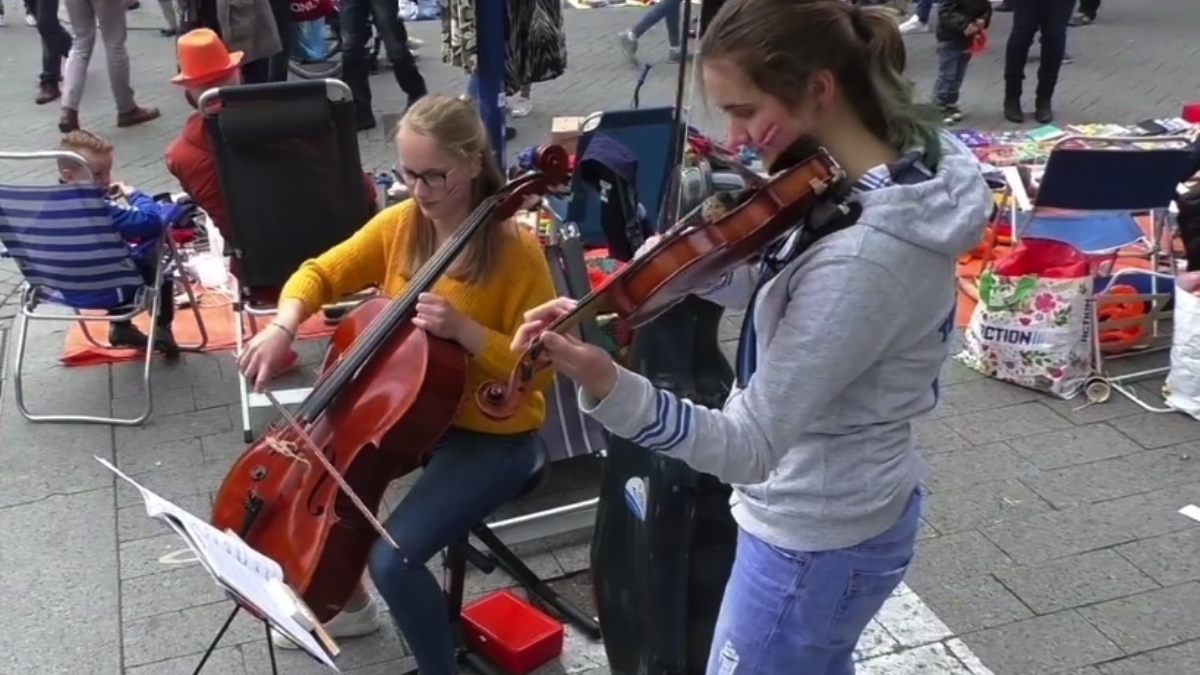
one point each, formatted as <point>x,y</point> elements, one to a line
<point>307,492</point>
<point>724,231</point>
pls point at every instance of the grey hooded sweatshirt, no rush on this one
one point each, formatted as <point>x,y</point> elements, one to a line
<point>851,337</point>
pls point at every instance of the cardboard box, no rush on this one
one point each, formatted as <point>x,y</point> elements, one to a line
<point>565,131</point>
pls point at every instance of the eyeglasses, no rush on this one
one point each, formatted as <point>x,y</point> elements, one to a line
<point>434,179</point>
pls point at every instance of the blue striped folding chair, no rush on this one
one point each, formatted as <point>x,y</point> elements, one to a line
<point>64,243</point>
<point>1091,194</point>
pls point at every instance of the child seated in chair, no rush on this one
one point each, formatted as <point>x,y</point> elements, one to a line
<point>140,222</point>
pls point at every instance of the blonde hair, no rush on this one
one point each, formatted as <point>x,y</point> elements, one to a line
<point>455,125</point>
<point>84,143</point>
<point>780,44</point>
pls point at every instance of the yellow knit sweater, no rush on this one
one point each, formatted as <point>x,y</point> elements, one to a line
<point>520,281</point>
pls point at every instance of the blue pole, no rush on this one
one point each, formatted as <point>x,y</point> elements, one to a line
<point>491,46</point>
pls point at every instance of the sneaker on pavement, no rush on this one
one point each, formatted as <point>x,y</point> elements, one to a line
<point>521,107</point>
<point>913,25</point>
<point>629,45</point>
<point>345,625</point>
<point>30,20</point>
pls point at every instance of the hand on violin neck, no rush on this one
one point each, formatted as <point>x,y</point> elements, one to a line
<point>537,319</point>
<point>589,366</point>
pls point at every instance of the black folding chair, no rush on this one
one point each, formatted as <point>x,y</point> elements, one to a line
<point>291,177</point>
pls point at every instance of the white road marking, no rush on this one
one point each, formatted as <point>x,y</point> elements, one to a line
<point>906,638</point>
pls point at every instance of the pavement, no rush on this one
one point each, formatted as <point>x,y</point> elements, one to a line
<point>1051,544</point>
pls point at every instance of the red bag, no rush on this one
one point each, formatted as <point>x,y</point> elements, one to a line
<point>312,10</point>
<point>1044,258</point>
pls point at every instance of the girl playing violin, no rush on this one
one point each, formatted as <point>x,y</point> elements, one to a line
<point>841,346</point>
<point>479,464</point>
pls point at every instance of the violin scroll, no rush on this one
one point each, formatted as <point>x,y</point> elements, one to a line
<point>501,400</point>
<point>552,172</point>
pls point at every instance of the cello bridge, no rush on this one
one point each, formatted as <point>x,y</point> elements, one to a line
<point>287,449</point>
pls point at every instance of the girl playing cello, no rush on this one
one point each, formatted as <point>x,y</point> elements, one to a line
<point>842,343</point>
<point>479,464</point>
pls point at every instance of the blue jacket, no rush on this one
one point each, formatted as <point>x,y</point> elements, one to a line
<point>140,223</point>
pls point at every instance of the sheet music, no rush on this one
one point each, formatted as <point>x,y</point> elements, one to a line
<point>243,572</point>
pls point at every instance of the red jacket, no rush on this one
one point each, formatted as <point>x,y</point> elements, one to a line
<point>190,159</point>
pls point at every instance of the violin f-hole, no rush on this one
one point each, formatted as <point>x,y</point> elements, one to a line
<point>313,507</point>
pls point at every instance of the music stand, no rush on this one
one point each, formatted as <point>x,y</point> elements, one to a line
<point>253,581</point>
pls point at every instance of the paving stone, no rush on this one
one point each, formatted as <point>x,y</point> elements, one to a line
<point>971,604</point>
<point>1002,424</point>
<point>932,436</point>
<point>974,466</point>
<point>224,661</point>
<point>976,395</point>
<point>1150,620</point>
<point>61,605</point>
<point>174,589</point>
<point>183,633</point>
<point>167,428</point>
<point>1095,482</point>
<point>1170,559</point>
<point>173,484</point>
<point>1043,645</point>
<point>935,659</point>
<point>1157,431</point>
<point>955,556</point>
<point>1075,581</point>
<point>1077,445</point>
<point>1181,658</point>
<point>1092,526</point>
<point>975,506</point>
<point>169,456</point>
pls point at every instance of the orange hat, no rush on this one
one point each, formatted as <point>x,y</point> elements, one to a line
<point>204,58</point>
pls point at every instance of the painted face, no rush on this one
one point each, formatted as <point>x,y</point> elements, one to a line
<point>756,118</point>
<point>439,181</point>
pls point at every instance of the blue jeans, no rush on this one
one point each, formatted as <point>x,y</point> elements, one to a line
<point>952,69</point>
<point>56,41</point>
<point>666,11</point>
<point>803,612</point>
<point>469,475</point>
<point>924,10</point>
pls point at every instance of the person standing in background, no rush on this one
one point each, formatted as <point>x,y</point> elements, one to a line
<point>250,28</point>
<point>1050,18</point>
<point>666,11</point>
<point>1088,9</point>
<point>356,17</point>
<point>56,44</point>
<point>86,17</point>
<point>30,14</point>
<point>918,22</point>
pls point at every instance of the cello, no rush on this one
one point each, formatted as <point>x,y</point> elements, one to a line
<point>307,492</point>
<point>726,230</point>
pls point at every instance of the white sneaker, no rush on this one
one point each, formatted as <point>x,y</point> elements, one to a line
<point>345,625</point>
<point>521,107</point>
<point>913,25</point>
<point>30,20</point>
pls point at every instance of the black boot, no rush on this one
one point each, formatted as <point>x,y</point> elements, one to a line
<point>1043,112</point>
<point>125,335</point>
<point>165,344</point>
<point>1012,109</point>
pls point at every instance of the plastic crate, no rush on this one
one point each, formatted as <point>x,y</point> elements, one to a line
<point>512,633</point>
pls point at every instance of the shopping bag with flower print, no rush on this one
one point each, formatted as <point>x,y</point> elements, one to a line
<point>1032,326</point>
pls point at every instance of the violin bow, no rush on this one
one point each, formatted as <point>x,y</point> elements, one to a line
<point>333,472</point>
